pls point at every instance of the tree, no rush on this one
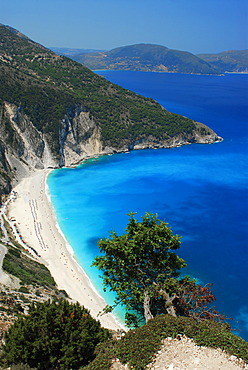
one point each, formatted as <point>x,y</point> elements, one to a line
<point>137,264</point>
<point>143,270</point>
<point>55,335</point>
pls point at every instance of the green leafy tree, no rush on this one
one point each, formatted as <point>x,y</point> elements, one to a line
<point>143,270</point>
<point>55,335</point>
<point>137,264</point>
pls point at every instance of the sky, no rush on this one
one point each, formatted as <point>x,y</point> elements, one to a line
<point>197,26</point>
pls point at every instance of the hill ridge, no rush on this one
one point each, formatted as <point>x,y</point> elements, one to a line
<point>204,63</point>
<point>146,57</point>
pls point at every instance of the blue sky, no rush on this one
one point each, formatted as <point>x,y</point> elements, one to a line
<point>193,25</point>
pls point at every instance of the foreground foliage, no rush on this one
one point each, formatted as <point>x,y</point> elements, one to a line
<point>55,335</point>
<point>138,346</point>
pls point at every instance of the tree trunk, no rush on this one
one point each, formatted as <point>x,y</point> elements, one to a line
<point>147,313</point>
<point>168,300</point>
<point>169,303</point>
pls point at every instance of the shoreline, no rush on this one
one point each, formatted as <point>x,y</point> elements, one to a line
<point>32,213</point>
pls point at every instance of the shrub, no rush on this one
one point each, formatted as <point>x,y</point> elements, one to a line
<point>55,335</point>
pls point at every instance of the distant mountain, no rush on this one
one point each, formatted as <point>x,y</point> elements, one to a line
<point>146,57</point>
<point>228,61</point>
<point>68,52</point>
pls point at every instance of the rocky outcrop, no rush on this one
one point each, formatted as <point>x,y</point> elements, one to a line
<point>5,181</point>
<point>205,135</point>
<point>79,137</point>
<point>201,135</point>
<point>24,149</point>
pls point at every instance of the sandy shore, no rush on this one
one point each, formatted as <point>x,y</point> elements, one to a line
<point>32,213</point>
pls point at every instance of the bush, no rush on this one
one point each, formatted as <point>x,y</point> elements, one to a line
<point>55,335</point>
<point>104,352</point>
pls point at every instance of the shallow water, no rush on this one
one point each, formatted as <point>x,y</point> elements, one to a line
<point>200,190</point>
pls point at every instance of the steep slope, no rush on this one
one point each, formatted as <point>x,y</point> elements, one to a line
<point>146,57</point>
<point>228,61</point>
<point>56,112</point>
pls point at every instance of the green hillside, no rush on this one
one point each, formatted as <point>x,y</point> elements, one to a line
<point>146,57</point>
<point>47,85</point>
<point>228,61</point>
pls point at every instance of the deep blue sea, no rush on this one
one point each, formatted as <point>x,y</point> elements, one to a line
<point>200,190</point>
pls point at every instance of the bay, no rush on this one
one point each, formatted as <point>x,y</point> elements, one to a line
<point>200,190</point>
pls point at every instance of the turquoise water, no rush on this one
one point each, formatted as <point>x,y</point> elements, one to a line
<point>200,190</point>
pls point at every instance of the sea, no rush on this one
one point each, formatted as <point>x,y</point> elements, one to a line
<point>200,190</point>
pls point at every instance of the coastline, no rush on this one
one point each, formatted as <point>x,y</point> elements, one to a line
<point>31,212</point>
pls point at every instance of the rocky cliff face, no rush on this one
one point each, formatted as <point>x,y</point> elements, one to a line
<point>22,146</point>
<point>79,137</point>
<point>24,149</point>
<point>201,135</point>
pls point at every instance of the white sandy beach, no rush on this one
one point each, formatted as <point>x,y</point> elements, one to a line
<point>34,217</point>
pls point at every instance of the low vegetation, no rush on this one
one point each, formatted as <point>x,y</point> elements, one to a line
<point>59,335</point>
<point>138,346</point>
<point>26,269</point>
